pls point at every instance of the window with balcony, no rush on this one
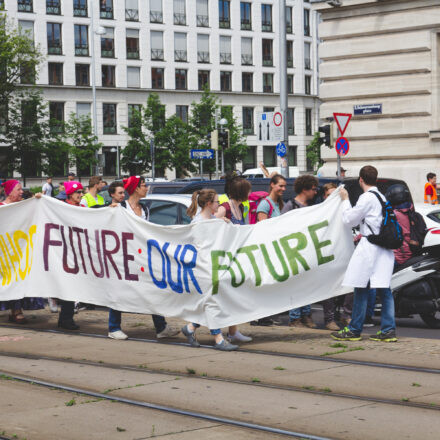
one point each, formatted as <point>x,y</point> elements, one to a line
<point>55,74</point>
<point>307,84</point>
<point>308,121</point>
<point>245,16</point>
<point>248,120</point>
<point>134,114</point>
<point>133,76</point>
<point>106,9</point>
<point>289,25</point>
<point>26,28</point>
<point>109,118</point>
<point>181,79</point>
<point>267,47</point>
<point>225,81</point>
<point>202,48</point>
<point>224,14</point>
<point>307,56</point>
<point>179,12</point>
<point>156,38</point>
<point>291,121</point>
<point>54,43</point>
<point>80,8</point>
<point>203,79</point>
<point>307,22</point>
<point>131,10</point>
<point>56,116</point>
<point>202,14</point>
<point>132,43</point>
<point>250,160</point>
<point>225,50</point>
<point>81,40</point>
<point>108,76</point>
<point>289,49</point>
<point>25,6</point>
<point>267,82</point>
<point>293,156</point>
<point>156,14</point>
<point>180,52</point>
<point>108,43</point>
<point>269,156</point>
<point>182,113</point>
<point>246,51</point>
<point>53,7</point>
<point>290,84</point>
<point>266,18</point>
<point>157,78</point>
<point>82,74</point>
<point>247,82</point>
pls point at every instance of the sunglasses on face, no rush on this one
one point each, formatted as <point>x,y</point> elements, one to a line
<point>79,192</point>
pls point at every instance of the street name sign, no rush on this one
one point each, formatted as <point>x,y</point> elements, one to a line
<point>342,119</point>
<point>367,109</point>
<point>202,154</point>
<point>270,127</point>
<point>342,146</point>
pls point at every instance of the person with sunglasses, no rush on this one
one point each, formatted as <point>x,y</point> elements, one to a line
<point>305,187</point>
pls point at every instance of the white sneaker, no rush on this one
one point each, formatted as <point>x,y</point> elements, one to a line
<point>118,334</point>
<point>168,332</point>
<point>52,305</point>
<point>238,337</point>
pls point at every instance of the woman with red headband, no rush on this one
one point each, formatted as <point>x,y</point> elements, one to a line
<point>14,193</point>
<point>137,189</point>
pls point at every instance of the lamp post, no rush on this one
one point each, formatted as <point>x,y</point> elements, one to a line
<point>118,168</point>
<point>222,124</point>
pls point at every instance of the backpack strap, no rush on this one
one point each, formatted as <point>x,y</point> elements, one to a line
<point>271,207</point>
<point>382,203</point>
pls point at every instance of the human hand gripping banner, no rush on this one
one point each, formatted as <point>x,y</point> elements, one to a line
<point>212,273</point>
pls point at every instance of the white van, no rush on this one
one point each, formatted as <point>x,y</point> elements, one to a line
<point>257,173</point>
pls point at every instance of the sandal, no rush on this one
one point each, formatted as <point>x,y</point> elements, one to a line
<point>18,318</point>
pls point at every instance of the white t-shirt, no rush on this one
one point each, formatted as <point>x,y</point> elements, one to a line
<point>47,189</point>
<point>130,210</point>
<point>198,218</point>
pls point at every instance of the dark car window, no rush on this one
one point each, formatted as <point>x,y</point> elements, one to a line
<point>185,218</point>
<point>164,189</point>
<point>163,213</point>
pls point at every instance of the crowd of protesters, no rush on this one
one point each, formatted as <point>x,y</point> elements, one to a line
<point>236,207</point>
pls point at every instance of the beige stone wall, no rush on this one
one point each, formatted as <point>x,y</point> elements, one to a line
<point>384,52</point>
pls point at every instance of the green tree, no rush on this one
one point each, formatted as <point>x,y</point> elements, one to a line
<point>313,152</point>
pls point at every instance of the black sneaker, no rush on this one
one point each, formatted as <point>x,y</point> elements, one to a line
<point>389,336</point>
<point>68,325</point>
<point>263,322</point>
<point>369,322</point>
<point>345,335</point>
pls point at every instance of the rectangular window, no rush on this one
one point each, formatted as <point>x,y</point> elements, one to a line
<point>106,9</point>
<point>109,118</point>
<point>179,12</point>
<point>26,28</point>
<point>157,75</point>
<point>54,43</point>
<point>182,113</point>
<point>290,84</point>
<point>202,48</point>
<point>80,8</point>
<point>133,76</point>
<point>269,156</point>
<point>289,26</point>
<point>25,6</point>
<point>202,13</point>
<point>308,121</point>
<point>291,121</point>
<point>246,51</point>
<point>156,38</point>
<point>289,49</point>
<point>224,14</point>
<point>266,18</point>
<point>181,79</point>
<point>245,16</point>
<point>108,76</point>
<point>81,40</point>
<point>293,156</point>
<point>203,77</point>
<point>247,80</point>
<point>83,109</point>
<point>108,43</point>
<point>248,120</point>
<point>131,10</point>
<point>225,81</point>
<point>267,46</point>
<point>132,43</point>
<point>267,82</point>
<point>307,84</point>
<point>307,56</point>
<point>53,7</point>
<point>56,116</point>
<point>268,109</point>
<point>134,112</point>
<point>307,22</point>
<point>55,74</point>
<point>180,52</point>
<point>225,50</point>
<point>250,160</point>
<point>156,14</point>
<point>82,74</point>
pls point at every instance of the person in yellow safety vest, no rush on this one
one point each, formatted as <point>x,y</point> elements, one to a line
<point>430,193</point>
<point>92,198</point>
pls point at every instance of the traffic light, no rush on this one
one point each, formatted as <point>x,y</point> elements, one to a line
<point>326,135</point>
<point>223,139</point>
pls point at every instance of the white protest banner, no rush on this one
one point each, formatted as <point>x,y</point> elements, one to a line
<point>212,273</point>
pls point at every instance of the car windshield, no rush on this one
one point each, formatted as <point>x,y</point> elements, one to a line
<point>435,215</point>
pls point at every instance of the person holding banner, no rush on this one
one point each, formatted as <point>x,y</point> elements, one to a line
<point>14,193</point>
<point>207,200</point>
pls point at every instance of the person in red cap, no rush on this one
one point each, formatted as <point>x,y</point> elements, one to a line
<point>14,193</point>
<point>137,189</point>
<point>74,192</point>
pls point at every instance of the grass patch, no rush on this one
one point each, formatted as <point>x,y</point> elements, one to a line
<point>190,370</point>
<point>309,388</point>
<point>138,324</point>
<point>343,350</point>
<point>415,384</point>
<point>119,429</point>
<point>326,390</point>
<point>279,368</point>
<point>338,345</point>
<point>405,399</point>
<point>71,402</point>
<point>255,380</point>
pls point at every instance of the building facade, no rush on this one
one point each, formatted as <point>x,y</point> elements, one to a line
<point>383,57</point>
<point>174,48</point>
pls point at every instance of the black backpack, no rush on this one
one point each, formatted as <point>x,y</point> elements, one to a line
<point>418,231</point>
<point>390,235</point>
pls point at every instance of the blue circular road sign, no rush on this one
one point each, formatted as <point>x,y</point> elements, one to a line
<point>281,149</point>
<point>342,146</point>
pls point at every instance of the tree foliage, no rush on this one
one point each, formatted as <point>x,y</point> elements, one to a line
<point>313,152</point>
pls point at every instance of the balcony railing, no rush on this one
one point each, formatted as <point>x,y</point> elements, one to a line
<point>291,131</point>
<point>307,63</point>
<point>267,60</point>
<point>202,57</point>
<point>156,17</point>
<point>180,55</point>
<point>25,6</point>
<point>306,30</point>
<point>266,26</point>
<point>80,11</point>
<point>106,12</point>
<point>289,28</point>
<point>82,50</point>
<point>110,130</point>
<point>246,59</point>
<point>267,89</point>
<point>157,54</point>
<point>246,25</point>
<point>289,61</point>
<point>225,58</point>
<point>53,7</point>
<point>248,130</point>
<point>202,20</point>
<point>108,53</point>
<point>132,15</point>
<point>224,23</point>
<point>54,49</point>
<point>179,18</point>
<point>133,54</point>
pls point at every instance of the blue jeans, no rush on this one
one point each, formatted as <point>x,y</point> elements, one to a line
<point>114,321</point>
<point>213,332</point>
<point>361,297</point>
<point>371,303</point>
<point>299,312</point>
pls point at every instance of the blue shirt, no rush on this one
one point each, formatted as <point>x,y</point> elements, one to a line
<point>264,206</point>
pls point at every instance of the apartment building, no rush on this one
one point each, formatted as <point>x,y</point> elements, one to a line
<point>174,48</point>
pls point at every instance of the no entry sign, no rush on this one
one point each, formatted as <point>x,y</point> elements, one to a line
<point>342,146</point>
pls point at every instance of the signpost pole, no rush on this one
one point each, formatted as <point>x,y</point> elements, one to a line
<point>216,151</point>
<point>283,79</point>
<point>223,163</point>
<point>338,162</point>
<point>201,168</point>
<point>152,158</point>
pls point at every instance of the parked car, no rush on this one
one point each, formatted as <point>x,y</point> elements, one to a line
<point>168,209</point>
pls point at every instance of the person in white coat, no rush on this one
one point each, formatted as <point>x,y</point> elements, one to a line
<point>370,266</point>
